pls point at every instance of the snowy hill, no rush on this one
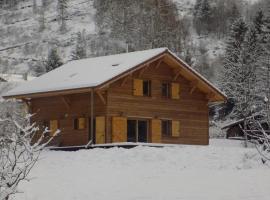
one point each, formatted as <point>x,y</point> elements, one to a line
<point>23,45</point>
<point>224,170</point>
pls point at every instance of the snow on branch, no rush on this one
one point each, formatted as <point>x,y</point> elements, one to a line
<point>20,147</point>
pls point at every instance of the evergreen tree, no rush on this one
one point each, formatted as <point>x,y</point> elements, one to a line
<point>265,62</point>
<point>259,22</point>
<point>233,77</point>
<point>53,61</point>
<point>80,49</point>
<point>202,16</point>
<point>235,40</point>
<point>62,13</point>
<point>234,13</point>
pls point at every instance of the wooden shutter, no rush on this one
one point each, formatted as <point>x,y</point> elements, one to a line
<point>175,128</point>
<point>119,129</point>
<point>53,127</point>
<point>175,90</point>
<point>156,130</point>
<point>81,123</point>
<point>138,87</point>
<point>100,130</point>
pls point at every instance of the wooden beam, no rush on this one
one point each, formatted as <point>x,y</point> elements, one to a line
<point>92,116</point>
<point>66,102</point>
<point>193,89</point>
<point>143,69</point>
<point>125,80</point>
<point>28,105</point>
<point>159,63</point>
<point>209,96</point>
<point>101,97</point>
<point>194,85</point>
<point>177,75</point>
<point>26,102</point>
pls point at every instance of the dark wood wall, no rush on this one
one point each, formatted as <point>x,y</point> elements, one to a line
<point>54,108</point>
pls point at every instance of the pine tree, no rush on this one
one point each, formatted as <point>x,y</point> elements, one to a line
<point>53,61</point>
<point>202,16</point>
<point>259,22</point>
<point>235,40</point>
<point>265,62</point>
<point>234,13</point>
<point>233,77</point>
<point>80,49</point>
<point>62,13</point>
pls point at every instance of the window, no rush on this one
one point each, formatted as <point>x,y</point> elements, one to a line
<point>166,127</point>
<point>147,88</point>
<point>166,90</point>
<point>79,123</point>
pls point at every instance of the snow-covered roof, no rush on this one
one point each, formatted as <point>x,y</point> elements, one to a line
<point>85,73</point>
<point>92,72</point>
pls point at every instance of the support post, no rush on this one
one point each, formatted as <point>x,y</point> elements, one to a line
<point>92,115</point>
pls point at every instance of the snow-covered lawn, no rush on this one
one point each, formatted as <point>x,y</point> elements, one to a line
<point>222,171</point>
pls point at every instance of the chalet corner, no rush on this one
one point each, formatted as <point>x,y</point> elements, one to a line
<point>146,96</point>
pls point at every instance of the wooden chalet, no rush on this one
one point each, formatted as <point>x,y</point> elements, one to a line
<point>147,96</point>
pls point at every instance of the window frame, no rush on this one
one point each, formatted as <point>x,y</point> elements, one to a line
<point>168,131</point>
<point>147,93</point>
<point>168,90</point>
<point>76,123</point>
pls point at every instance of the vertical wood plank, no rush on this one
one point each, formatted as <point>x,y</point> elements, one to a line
<point>138,87</point>
<point>175,128</point>
<point>100,130</point>
<point>119,129</point>
<point>53,127</point>
<point>156,130</point>
<point>175,90</point>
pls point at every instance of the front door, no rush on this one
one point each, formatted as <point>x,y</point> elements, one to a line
<point>137,130</point>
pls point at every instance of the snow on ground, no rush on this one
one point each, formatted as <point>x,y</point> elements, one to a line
<point>222,171</point>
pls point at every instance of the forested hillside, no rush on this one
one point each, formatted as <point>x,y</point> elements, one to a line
<point>37,36</point>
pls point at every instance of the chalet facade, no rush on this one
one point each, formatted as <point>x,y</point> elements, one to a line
<point>147,96</point>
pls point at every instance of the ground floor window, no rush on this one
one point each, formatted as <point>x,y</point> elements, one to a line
<point>79,123</point>
<point>166,127</point>
<point>137,130</point>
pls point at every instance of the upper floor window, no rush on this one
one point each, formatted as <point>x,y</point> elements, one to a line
<point>141,87</point>
<point>146,88</point>
<point>166,90</point>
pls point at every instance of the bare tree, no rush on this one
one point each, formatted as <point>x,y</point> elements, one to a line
<point>20,146</point>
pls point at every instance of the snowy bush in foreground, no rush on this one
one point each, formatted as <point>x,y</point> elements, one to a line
<point>20,147</point>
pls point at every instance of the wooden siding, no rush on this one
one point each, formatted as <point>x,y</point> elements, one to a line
<point>191,109</point>
<point>53,108</point>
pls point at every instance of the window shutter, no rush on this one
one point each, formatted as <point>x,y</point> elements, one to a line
<point>100,130</point>
<point>175,128</point>
<point>53,127</point>
<point>119,129</point>
<point>138,87</point>
<point>156,130</point>
<point>175,90</point>
<point>81,123</point>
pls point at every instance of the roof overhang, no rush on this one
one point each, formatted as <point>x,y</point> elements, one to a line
<point>213,93</point>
